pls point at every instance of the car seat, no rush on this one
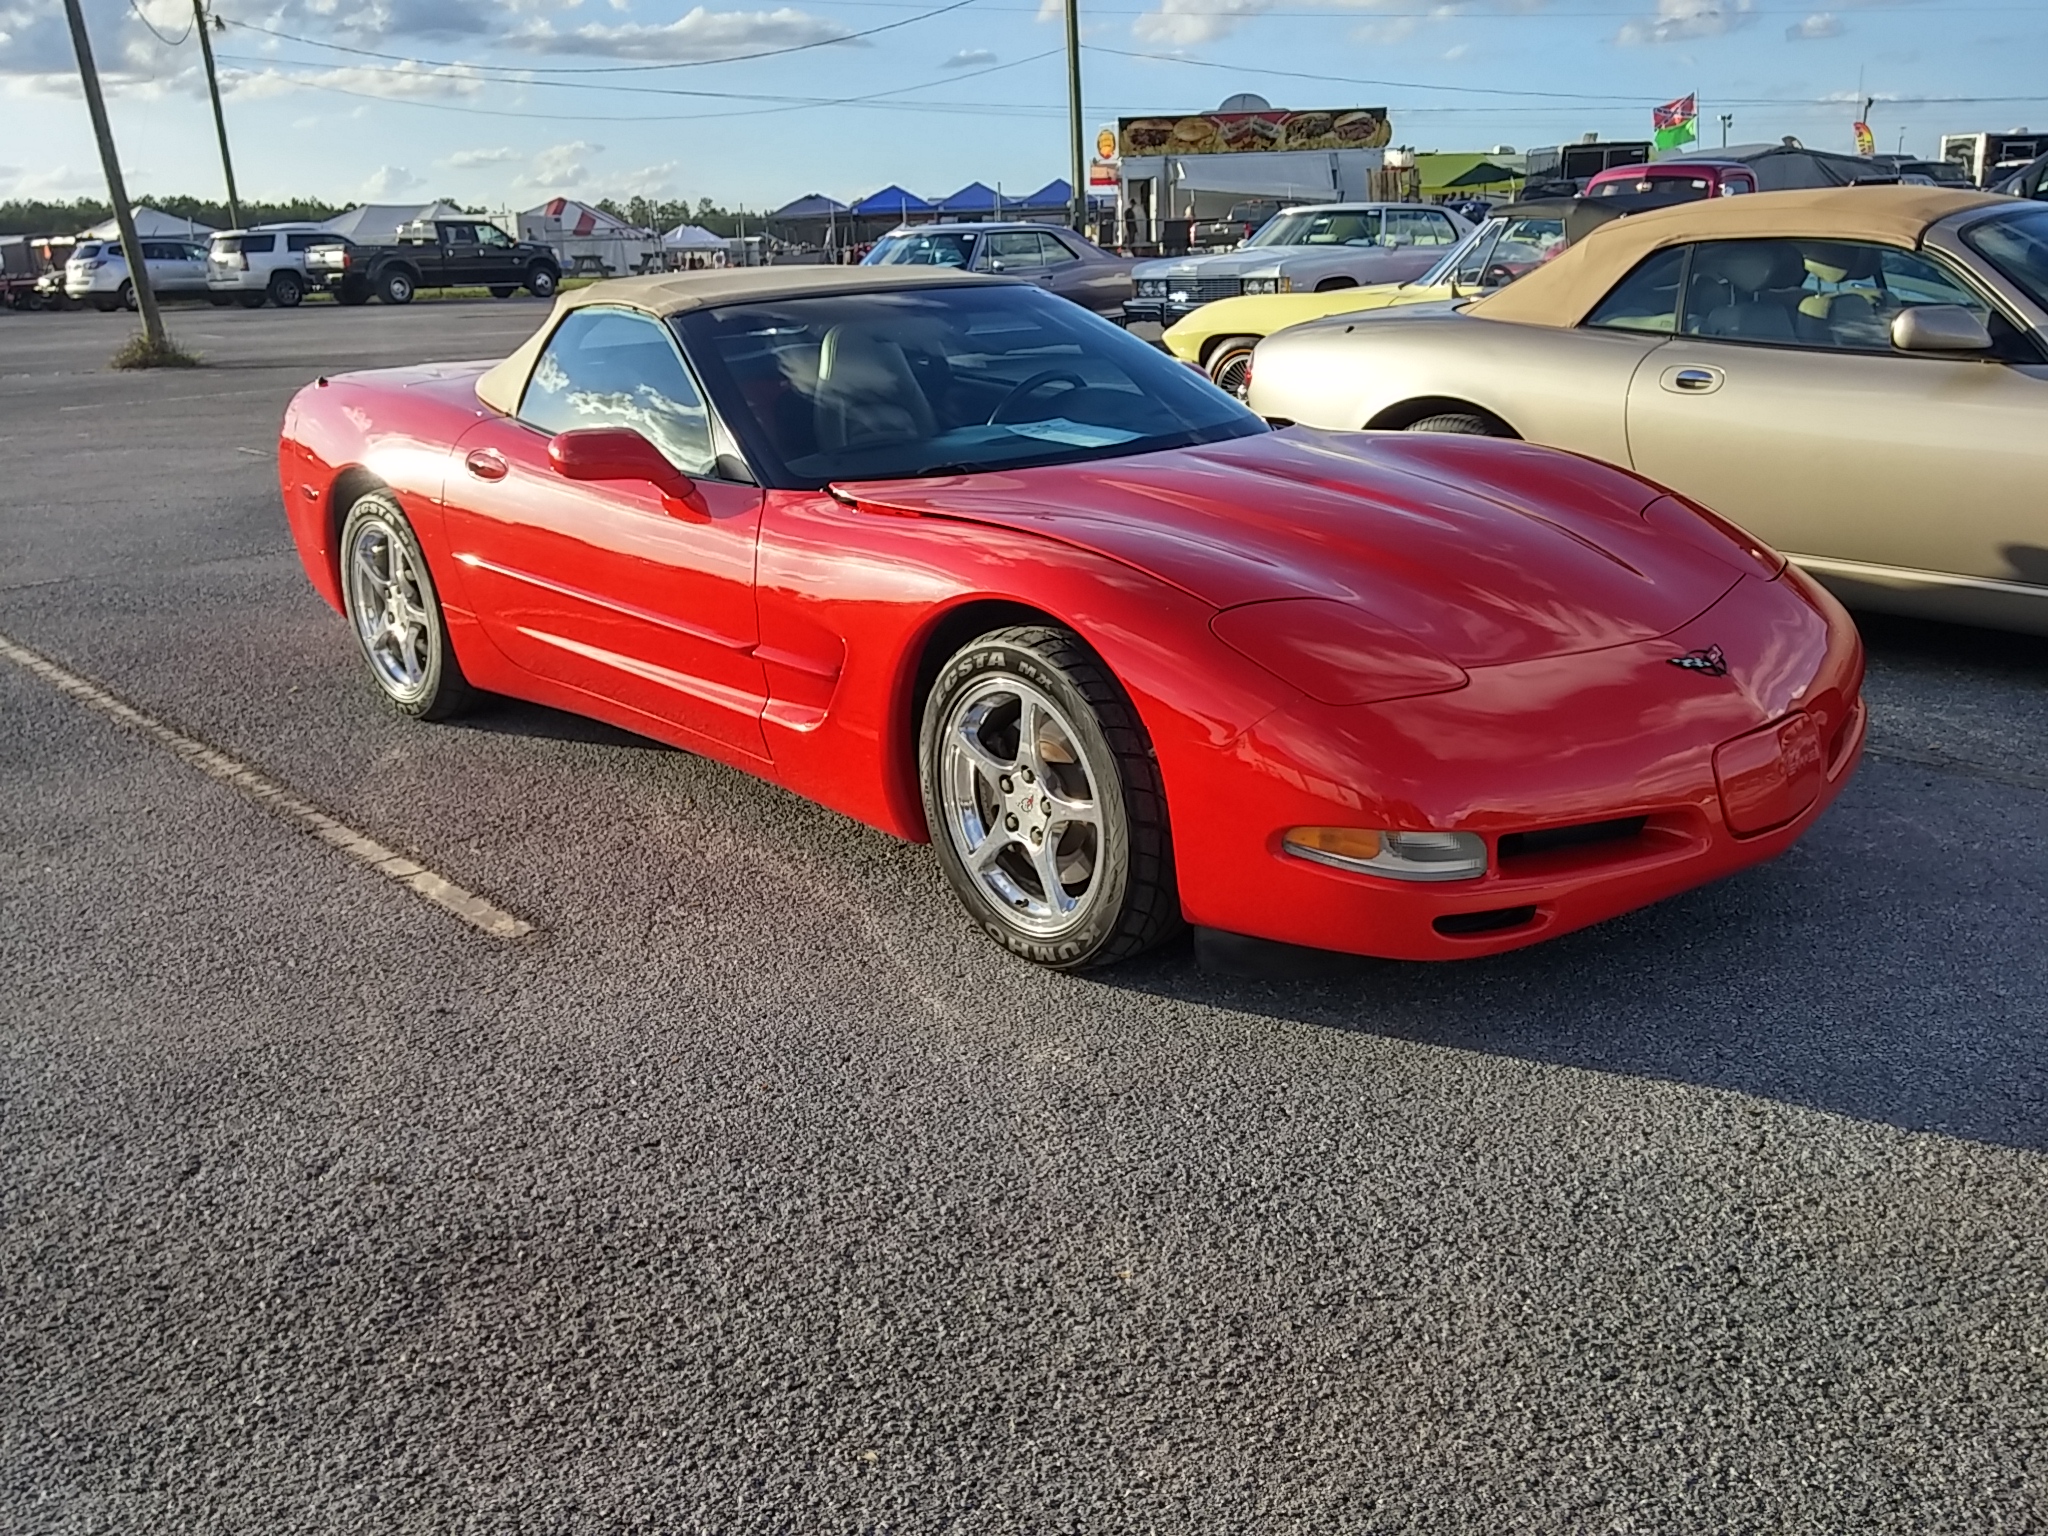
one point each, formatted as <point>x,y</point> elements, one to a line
<point>1843,317</point>
<point>1766,280</point>
<point>867,395</point>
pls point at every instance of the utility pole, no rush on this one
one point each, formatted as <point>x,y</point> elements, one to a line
<point>117,190</point>
<point>1078,213</point>
<point>1727,121</point>
<point>220,122</point>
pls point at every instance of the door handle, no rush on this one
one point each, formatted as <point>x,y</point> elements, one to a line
<point>486,464</point>
<point>1691,381</point>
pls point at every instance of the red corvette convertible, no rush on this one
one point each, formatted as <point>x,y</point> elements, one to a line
<point>962,561</point>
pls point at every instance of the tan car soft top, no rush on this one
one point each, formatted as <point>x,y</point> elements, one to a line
<point>1563,292</point>
<point>670,293</point>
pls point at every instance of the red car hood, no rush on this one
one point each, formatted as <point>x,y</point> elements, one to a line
<point>1484,551</point>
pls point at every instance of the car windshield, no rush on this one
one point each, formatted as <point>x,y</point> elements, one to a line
<point>86,250</point>
<point>921,248</point>
<point>949,380</point>
<point>1320,226</point>
<point>2016,243</point>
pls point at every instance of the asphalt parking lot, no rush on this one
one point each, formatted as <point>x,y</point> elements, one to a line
<point>753,1192</point>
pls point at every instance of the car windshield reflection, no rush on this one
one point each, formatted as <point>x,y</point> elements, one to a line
<point>946,380</point>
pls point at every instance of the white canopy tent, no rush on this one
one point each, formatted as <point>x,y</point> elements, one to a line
<point>379,223</point>
<point>150,224</point>
<point>692,237</point>
<point>587,239</point>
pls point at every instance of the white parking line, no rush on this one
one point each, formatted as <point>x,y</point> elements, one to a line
<point>416,877</point>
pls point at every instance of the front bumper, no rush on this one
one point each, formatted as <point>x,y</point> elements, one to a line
<point>1620,741</point>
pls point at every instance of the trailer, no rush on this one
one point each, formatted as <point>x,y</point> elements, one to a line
<point>25,262</point>
<point>1989,157</point>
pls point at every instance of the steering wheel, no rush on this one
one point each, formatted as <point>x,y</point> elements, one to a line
<point>1500,274</point>
<point>1031,386</point>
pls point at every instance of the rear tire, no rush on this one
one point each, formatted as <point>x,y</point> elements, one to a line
<point>1461,423</point>
<point>395,287</point>
<point>395,613</point>
<point>220,300</point>
<point>541,281</point>
<point>502,290</point>
<point>1056,840</point>
<point>286,290</point>
<point>351,294</point>
<point>250,300</point>
<point>1230,364</point>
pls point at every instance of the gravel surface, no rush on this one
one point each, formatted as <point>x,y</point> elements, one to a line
<point>756,1193</point>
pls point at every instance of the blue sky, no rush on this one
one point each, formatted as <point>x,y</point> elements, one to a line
<point>502,102</point>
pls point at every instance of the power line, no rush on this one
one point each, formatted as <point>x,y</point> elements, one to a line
<point>168,42</point>
<point>613,69</point>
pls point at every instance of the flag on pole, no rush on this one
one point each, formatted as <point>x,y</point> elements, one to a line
<point>1676,122</point>
<point>1866,141</point>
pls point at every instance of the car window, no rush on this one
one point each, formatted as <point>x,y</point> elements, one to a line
<point>1834,295</point>
<point>306,242</point>
<point>944,380</point>
<point>611,368</point>
<point>2016,245</point>
<point>156,250</point>
<point>1417,226</point>
<point>921,248</point>
<point>1645,300</point>
<point>1016,250</point>
<point>1309,227</point>
<point>1053,251</point>
<point>458,234</point>
<point>490,234</point>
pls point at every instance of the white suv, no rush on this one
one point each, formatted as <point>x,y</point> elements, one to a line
<point>97,273</point>
<point>268,262</point>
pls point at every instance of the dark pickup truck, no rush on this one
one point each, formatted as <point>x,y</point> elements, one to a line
<point>435,253</point>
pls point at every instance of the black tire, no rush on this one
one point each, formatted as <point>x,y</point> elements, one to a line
<point>352,293</point>
<point>542,280</point>
<point>1129,902</point>
<point>395,286</point>
<point>1463,423</point>
<point>441,690</point>
<point>503,290</point>
<point>287,288</point>
<point>1229,364</point>
<point>124,298</point>
<point>105,305</point>
<point>251,300</point>
<point>220,300</point>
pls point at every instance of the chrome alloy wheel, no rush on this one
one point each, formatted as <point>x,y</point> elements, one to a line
<point>387,597</point>
<point>1021,807</point>
<point>1233,374</point>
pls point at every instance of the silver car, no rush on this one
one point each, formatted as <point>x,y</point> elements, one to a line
<point>1303,250</point>
<point>1046,254</point>
<point>1858,376</point>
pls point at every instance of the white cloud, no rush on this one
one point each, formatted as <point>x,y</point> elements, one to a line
<point>1186,23</point>
<point>471,159</point>
<point>1679,21</point>
<point>967,58</point>
<point>700,34</point>
<point>388,182</point>
<point>559,168</point>
<point>1386,33</point>
<point>1820,24</point>
<point>1456,52</point>
<point>408,82</point>
<point>655,181</point>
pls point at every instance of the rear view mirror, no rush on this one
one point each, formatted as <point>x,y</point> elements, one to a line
<point>620,453</point>
<point>1939,328</point>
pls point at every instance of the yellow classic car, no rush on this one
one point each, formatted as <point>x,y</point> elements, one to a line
<point>1219,337</point>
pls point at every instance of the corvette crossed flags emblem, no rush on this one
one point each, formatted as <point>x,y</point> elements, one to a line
<point>1709,660</point>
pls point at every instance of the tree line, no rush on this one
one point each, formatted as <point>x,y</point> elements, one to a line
<point>36,216</point>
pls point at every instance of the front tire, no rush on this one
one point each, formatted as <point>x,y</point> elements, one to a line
<point>1044,801</point>
<point>395,287</point>
<point>541,281</point>
<point>396,614</point>
<point>1230,365</point>
<point>124,298</point>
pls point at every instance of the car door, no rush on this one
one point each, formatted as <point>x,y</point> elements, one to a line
<point>1014,253</point>
<point>1782,404</point>
<point>609,587</point>
<point>461,257</point>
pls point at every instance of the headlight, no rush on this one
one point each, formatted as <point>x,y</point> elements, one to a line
<point>1151,287</point>
<point>1400,855</point>
<point>1262,285</point>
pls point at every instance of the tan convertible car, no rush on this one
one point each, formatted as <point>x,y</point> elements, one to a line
<point>1858,375</point>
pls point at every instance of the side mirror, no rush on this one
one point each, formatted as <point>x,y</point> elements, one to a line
<point>620,453</point>
<point>1939,328</point>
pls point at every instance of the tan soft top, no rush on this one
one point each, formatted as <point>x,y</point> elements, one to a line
<point>670,293</point>
<point>1563,292</point>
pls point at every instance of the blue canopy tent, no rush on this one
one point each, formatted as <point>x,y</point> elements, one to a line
<point>891,203</point>
<point>810,220</point>
<point>974,201</point>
